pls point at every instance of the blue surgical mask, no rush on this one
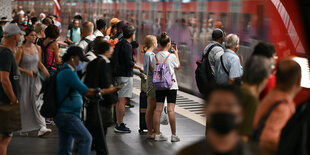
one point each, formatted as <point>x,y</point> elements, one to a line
<point>80,66</point>
<point>223,44</point>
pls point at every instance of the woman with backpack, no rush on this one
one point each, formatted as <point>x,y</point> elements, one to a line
<point>150,44</point>
<point>28,58</point>
<point>69,90</point>
<point>50,56</point>
<point>165,62</point>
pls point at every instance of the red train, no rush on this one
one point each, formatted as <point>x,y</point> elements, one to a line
<point>189,22</point>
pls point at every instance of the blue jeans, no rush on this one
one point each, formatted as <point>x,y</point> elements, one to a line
<point>71,127</point>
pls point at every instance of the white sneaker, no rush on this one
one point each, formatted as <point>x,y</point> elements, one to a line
<point>44,131</point>
<point>160,137</point>
<point>175,138</point>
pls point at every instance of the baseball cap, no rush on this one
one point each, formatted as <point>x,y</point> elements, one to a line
<point>12,29</point>
<point>217,34</point>
<point>114,21</point>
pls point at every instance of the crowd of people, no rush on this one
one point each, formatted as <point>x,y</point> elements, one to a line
<point>245,104</point>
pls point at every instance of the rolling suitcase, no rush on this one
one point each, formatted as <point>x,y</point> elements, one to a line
<point>142,111</point>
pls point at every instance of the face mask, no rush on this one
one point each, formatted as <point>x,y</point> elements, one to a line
<point>80,66</point>
<point>223,44</point>
<point>222,123</point>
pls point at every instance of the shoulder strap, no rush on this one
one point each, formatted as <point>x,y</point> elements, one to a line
<point>208,51</point>
<point>164,59</point>
<point>262,121</point>
<point>71,34</point>
<point>70,89</point>
<point>226,71</point>
<point>86,40</point>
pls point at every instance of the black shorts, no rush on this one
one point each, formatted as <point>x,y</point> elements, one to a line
<point>170,94</point>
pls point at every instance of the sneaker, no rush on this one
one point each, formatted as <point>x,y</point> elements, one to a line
<point>129,105</point>
<point>151,136</point>
<point>121,128</point>
<point>175,138</point>
<point>160,137</point>
<point>44,131</point>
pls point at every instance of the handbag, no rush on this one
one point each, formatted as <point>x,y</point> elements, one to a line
<point>164,117</point>
<point>10,119</point>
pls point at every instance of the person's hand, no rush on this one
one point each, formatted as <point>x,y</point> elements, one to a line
<point>176,51</point>
<point>30,73</point>
<point>47,75</point>
<point>141,69</point>
<point>14,101</point>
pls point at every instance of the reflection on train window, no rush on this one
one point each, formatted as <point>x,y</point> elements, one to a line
<point>223,18</point>
<point>211,15</point>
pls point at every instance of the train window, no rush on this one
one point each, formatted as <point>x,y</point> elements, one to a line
<point>305,72</point>
<point>192,15</point>
<point>211,15</point>
<point>184,15</point>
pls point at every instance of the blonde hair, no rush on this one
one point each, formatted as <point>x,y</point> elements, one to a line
<point>148,42</point>
<point>39,27</point>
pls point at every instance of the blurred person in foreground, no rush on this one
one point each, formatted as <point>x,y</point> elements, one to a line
<point>279,102</point>
<point>99,75</point>
<point>255,77</point>
<point>267,50</point>
<point>224,112</point>
<point>9,76</point>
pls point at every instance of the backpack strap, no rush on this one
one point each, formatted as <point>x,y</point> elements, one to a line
<point>222,63</point>
<point>164,59</point>
<point>261,124</point>
<point>208,52</point>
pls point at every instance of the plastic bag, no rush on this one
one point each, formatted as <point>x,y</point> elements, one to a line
<point>164,117</point>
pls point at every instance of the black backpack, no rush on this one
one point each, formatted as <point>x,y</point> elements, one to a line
<point>203,72</point>
<point>44,54</point>
<point>50,104</point>
<point>295,136</point>
<point>90,45</point>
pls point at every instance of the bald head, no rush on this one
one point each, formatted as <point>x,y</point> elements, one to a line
<point>87,29</point>
<point>288,74</point>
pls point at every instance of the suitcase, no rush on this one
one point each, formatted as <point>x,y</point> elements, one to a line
<point>142,111</point>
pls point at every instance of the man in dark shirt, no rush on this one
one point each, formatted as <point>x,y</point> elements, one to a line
<point>124,75</point>
<point>9,75</point>
<point>224,113</point>
<point>99,75</point>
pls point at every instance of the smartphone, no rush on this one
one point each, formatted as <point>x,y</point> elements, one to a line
<point>173,47</point>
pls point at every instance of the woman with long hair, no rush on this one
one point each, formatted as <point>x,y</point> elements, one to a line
<point>28,58</point>
<point>150,44</point>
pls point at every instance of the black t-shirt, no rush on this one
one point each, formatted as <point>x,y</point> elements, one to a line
<point>8,64</point>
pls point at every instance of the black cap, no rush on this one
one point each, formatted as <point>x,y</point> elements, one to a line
<point>77,51</point>
<point>217,34</point>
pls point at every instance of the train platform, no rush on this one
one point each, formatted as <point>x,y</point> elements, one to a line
<point>190,128</point>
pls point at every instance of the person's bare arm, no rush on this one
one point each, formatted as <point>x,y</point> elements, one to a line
<point>7,86</point>
<point>111,89</point>
<point>177,55</point>
<point>55,49</point>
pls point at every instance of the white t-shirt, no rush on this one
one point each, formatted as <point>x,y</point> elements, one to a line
<point>171,62</point>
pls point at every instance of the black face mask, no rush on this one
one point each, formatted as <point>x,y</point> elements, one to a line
<point>222,123</point>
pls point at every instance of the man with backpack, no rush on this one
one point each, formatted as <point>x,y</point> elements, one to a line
<point>87,37</point>
<point>228,67</point>
<point>123,64</point>
<point>205,72</point>
<point>74,34</point>
<point>278,106</point>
